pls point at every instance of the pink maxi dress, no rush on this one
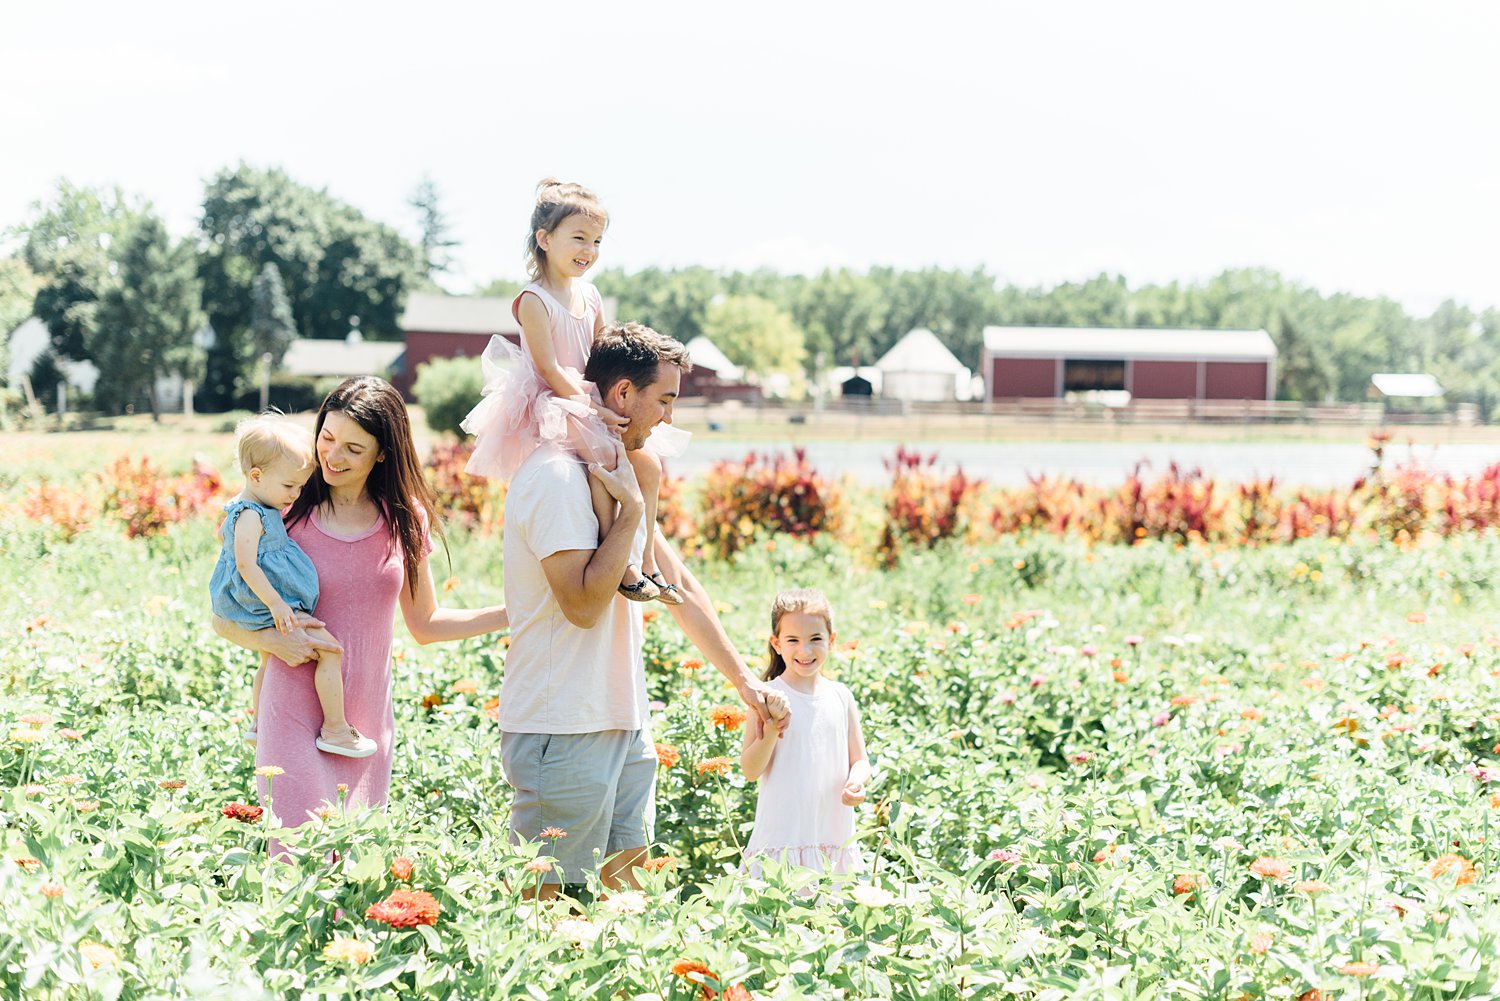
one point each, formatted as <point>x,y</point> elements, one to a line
<point>519,411</point>
<point>360,579</point>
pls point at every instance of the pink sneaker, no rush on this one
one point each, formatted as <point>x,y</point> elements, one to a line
<point>349,743</point>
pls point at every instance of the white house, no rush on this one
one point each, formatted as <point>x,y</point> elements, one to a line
<point>320,357</point>
<point>27,342</point>
<point>921,369</point>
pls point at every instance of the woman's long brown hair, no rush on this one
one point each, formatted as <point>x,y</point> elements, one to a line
<point>396,484</point>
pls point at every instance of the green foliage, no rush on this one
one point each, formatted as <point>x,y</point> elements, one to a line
<point>447,389</point>
<point>145,324</point>
<point>755,334</point>
<point>271,328</point>
<point>1051,753</point>
<point>336,264</point>
<point>69,245</point>
<point>435,243</point>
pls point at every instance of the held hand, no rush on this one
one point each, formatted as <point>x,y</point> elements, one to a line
<point>766,702</point>
<point>854,794</point>
<point>609,417</point>
<point>293,648</point>
<point>286,619</point>
<point>620,481</point>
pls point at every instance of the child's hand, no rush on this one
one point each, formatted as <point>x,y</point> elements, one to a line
<point>776,705</point>
<point>286,619</point>
<point>609,417</point>
<point>854,793</point>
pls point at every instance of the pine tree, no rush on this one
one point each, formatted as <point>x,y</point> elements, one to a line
<point>435,242</point>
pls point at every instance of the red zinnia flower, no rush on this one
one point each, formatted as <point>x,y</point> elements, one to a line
<point>406,909</point>
<point>243,812</point>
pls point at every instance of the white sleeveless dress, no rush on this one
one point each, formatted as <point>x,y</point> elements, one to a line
<point>800,817</point>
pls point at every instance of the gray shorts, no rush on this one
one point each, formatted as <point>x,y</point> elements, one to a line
<point>599,787</point>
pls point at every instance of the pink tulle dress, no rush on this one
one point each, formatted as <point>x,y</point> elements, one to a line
<point>519,411</point>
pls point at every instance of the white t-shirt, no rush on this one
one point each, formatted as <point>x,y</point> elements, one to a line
<point>560,678</point>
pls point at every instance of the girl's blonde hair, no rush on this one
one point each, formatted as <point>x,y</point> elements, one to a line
<point>555,202</point>
<point>266,439</point>
<point>804,600</point>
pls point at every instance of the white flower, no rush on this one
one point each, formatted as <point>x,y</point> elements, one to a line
<point>1226,844</point>
<point>872,896</point>
<point>1170,640</point>
<point>626,902</point>
<point>576,930</point>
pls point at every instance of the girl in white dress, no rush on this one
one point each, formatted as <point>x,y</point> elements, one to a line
<point>813,775</point>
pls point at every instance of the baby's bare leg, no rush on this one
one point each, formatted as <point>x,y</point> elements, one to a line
<point>328,681</point>
<point>255,686</point>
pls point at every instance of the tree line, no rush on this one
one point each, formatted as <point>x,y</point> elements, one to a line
<point>272,259</point>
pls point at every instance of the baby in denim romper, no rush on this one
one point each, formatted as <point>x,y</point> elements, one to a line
<point>263,578</point>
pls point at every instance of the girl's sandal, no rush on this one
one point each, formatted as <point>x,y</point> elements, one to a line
<point>641,590</point>
<point>668,593</point>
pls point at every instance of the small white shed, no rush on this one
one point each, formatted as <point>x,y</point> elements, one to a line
<point>919,368</point>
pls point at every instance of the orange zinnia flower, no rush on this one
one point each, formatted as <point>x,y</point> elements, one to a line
<point>1310,886</point>
<point>659,863</point>
<point>1185,884</point>
<point>1261,942</point>
<point>492,708</point>
<point>1270,868</point>
<point>540,866</point>
<point>554,833</point>
<point>719,766</point>
<point>401,868</point>
<point>667,756</point>
<point>728,717</point>
<point>739,992</point>
<point>406,909</point>
<point>697,973</point>
<point>1360,968</point>
<point>1440,866</point>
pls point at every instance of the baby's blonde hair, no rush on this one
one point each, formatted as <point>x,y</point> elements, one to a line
<point>267,438</point>
<point>805,600</point>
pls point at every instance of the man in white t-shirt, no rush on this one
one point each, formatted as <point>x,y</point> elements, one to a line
<point>575,738</point>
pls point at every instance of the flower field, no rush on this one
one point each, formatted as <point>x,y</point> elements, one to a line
<point>1165,764</point>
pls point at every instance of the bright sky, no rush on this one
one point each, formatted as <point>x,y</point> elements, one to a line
<point>1350,145</point>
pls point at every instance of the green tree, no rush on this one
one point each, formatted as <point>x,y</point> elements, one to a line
<point>271,327</point>
<point>18,285</point>
<point>335,265</point>
<point>435,244</point>
<point>842,313</point>
<point>145,324</point>
<point>671,302</point>
<point>68,246</point>
<point>755,334</point>
<point>1303,369</point>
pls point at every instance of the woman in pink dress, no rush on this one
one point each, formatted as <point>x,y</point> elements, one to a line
<point>364,520</point>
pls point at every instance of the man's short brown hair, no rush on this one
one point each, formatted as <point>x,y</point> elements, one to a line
<point>632,351</point>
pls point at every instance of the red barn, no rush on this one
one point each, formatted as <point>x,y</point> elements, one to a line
<point>1149,364</point>
<point>450,326</point>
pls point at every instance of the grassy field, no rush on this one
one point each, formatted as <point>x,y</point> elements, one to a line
<point>1151,771</point>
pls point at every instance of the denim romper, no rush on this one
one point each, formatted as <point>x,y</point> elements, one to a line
<point>286,566</point>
